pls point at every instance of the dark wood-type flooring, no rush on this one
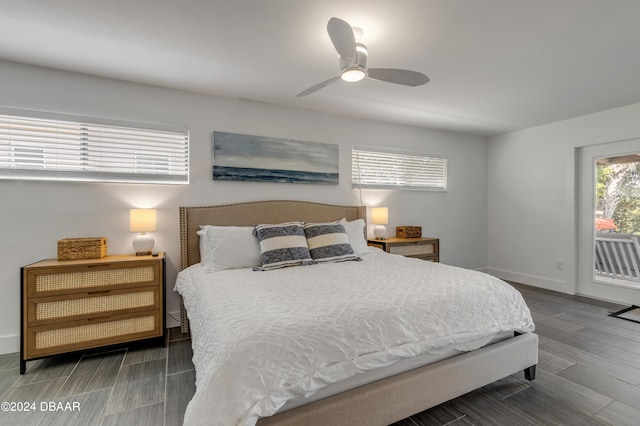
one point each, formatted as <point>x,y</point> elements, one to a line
<point>588,374</point>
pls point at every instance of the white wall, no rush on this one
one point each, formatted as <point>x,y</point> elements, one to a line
<point>532,191</point>
<point>34,215</point>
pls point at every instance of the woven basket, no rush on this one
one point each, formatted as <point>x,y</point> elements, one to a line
<point>82,248</point>
<point>408,231</point>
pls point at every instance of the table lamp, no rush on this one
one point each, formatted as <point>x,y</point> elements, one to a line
<point>380,217</point>
<point>142,221</point>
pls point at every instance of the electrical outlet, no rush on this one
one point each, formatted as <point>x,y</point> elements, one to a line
<point>559,265</point>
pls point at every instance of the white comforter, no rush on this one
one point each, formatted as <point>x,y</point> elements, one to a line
<point>262,338</point>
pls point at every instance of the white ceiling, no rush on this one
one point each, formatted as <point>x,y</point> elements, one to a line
<point>495,65</point>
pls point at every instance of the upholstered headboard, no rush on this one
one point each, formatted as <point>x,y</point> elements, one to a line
<point>253,213</point>
<point>249,214</point>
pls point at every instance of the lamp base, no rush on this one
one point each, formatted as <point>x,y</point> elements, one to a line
<point>143,244</point>
<point>380,232</point>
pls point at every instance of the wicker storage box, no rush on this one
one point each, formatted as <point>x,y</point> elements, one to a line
<point>408,231</point>
<point>82,248</point>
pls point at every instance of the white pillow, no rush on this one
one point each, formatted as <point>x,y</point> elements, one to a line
<point>355,232</point>
<point>228,247</point>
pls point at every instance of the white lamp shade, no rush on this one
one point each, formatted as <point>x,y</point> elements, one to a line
<point>380,215</point>
<point>142,220</point>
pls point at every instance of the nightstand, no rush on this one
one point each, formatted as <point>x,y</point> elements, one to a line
<point>422,248</point>
<point>73,305</point>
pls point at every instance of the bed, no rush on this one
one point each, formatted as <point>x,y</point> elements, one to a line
<point>348,384</point>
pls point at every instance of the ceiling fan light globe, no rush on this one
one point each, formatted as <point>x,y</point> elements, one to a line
<point>353,75</point>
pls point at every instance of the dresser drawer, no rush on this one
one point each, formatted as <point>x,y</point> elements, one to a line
<point>89,333</point>
<point>90,277</point>
<point>413,250</point>
<point>55,309</point>
<point>425,248</point>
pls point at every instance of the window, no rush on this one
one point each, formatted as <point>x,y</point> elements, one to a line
<point>384,168</point>
<point>42,146</point>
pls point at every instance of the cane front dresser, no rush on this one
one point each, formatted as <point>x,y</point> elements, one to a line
<point>74,305</point>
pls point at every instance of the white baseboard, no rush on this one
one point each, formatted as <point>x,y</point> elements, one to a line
<point>9,344</point>
<point>532,280</point>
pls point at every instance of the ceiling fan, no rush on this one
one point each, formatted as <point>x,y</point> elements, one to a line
<point>353,61</point>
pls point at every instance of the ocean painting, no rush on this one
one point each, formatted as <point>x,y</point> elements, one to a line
<point>264,159</point>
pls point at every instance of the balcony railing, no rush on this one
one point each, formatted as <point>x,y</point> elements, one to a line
<point>617,256</point>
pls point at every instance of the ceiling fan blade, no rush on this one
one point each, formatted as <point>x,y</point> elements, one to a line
<point>318,86</point>
<point>341,35</point>
<point>392,75</point>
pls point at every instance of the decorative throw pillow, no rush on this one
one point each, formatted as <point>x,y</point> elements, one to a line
<point>228,247</point>
<point>355,232</point>
<point>328,242</point>
<point>282,245</point>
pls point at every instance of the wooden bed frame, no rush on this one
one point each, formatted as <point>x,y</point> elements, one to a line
<point>387,400</point>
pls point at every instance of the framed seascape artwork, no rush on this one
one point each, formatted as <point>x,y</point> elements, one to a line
<point>264,159</point>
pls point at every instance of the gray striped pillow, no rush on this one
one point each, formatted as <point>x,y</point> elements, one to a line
<point>329,242</point>
<point>282,245</point>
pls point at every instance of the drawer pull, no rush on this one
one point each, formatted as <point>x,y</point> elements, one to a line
<point>100,292</point>
<point>98,318</point>
<point>100,265</point>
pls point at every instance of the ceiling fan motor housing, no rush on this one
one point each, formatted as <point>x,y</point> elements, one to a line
<point>360,59</point>
<point>352,70</point>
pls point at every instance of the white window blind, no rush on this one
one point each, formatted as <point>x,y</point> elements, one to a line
<point>381,168</point>
<point>45,148</point>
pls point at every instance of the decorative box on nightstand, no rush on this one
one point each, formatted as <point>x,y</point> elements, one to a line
<point>422,248</point>
<point>74,305</point>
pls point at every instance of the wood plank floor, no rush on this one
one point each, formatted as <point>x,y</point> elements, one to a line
<point>588,374</point>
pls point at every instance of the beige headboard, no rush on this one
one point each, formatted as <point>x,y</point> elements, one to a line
<point>253,213</point>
